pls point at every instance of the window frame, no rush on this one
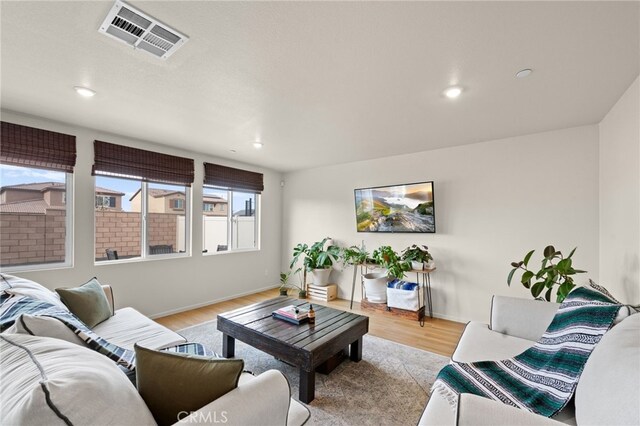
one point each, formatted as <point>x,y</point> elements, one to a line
<point>230,209</point>
<point>69,234</point>
<point>145,255</point>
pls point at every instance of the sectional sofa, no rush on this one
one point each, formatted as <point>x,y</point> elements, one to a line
<point>607,394</point>
<point>49,374</point>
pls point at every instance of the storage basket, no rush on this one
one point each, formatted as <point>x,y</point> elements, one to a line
<point>404,295</point>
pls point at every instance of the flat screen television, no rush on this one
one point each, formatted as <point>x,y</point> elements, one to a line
<point>397,208</point>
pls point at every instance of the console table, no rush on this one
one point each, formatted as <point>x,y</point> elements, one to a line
<point>425,284</point>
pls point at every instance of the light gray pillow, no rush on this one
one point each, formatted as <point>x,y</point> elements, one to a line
<point>88,302</point>
<point>46,380</point>
<point>608,392</point>
<point>46,327</point>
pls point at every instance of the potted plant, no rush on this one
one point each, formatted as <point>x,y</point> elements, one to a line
<point>555,271</point>
<point>386,257</point>
<point>355,255</point>
<point>302,292</point>
<point>317,260</point>
<point>375,283</point>
<point>284,286</point>
<point>419,256</point>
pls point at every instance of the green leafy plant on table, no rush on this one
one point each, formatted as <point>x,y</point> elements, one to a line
<point>556,271</point>
<point>415,253</point>
<point>386,257</point>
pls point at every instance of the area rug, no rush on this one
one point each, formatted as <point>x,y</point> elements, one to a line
<point>390,386</point>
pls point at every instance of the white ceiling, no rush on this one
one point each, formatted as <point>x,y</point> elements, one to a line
<point>324,82</point>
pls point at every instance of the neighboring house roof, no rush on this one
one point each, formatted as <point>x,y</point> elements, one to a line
<point>107,191</point>
<point>38,186</point>
<point>213,199</point>
<point>157,193</point>
<point>31,207</point>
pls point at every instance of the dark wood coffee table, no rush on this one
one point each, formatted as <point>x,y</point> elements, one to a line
<point>305,346</point>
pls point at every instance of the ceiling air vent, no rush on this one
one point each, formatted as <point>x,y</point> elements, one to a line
<point>133,27</point>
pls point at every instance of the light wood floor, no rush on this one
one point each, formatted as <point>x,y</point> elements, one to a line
<point>438,335</point>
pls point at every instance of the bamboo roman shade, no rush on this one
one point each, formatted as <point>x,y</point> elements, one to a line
<point>31,147</point>
<point>125,161</point>
<point>236,179</point>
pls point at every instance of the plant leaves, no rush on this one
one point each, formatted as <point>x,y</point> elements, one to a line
<point>526,277</point>
<point>572,251</point>
<point>510,276</point>
<point>564,265</point>
<point>537,288</point>
<point>527,257</point>
<point>549,251</point>
<point>564,290</point>
<point>547,295</point>
<point>514,264</point>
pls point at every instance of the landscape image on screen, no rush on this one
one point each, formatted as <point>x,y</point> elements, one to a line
<point>400,208</point>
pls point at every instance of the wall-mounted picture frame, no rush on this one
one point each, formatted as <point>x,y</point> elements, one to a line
<point>408,207</point>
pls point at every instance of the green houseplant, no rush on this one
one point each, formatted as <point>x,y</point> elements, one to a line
<point>317,259</point>
<point>355,255</point>
<point>284,283</point>
<point>386,257</point>
<point>417,255</point>
<point>556,271</point>
<point>375,283</point>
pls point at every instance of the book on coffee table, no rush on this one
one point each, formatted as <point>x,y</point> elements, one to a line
<point>292,314</point>
<point>289,319</point>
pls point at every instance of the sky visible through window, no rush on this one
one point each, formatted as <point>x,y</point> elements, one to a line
<point>14,175</point>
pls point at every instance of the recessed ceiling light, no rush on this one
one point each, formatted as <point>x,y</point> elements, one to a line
<point>453,92</point>
<point>258,145</point>
<point>524,73</point>
<point>84,91</point>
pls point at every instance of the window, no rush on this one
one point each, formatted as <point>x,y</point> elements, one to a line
<point>177,204</point>
<point>36,188</point>
<point>105,201</point>
<point>230,209</point>
<point>146,218</point>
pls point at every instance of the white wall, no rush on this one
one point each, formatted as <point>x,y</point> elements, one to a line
<point>161,286</point>
<point>620,197</point>
<point>494,202</point>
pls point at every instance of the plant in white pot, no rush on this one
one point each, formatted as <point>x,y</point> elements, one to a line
<point>419,256</point>
<point>375,283</point>
<point>317,260</point>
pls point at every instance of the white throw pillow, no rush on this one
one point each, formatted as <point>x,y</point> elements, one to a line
<point>608,392</point>
<point>44,326</point>
<point>82,385</point>
<point>23,287</point>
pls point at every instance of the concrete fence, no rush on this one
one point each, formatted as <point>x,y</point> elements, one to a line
<point>27,238</point>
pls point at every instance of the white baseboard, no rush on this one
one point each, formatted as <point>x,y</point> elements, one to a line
<point>210,302</point>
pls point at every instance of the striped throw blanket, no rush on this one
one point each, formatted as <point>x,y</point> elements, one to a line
<point>14,307</point>
<point>543,378</point>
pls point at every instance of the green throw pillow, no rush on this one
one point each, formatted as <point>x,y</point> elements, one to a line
<point>88,302</point>
<point>174,384</point>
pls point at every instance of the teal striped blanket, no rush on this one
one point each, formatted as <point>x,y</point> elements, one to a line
<point>543,378</point>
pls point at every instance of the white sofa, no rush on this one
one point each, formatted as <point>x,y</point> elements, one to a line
<point>93,390</point>
<point>608,392</point>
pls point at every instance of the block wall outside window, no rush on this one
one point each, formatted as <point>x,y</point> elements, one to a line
<point>33,218</point>
<point>123,229</point>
